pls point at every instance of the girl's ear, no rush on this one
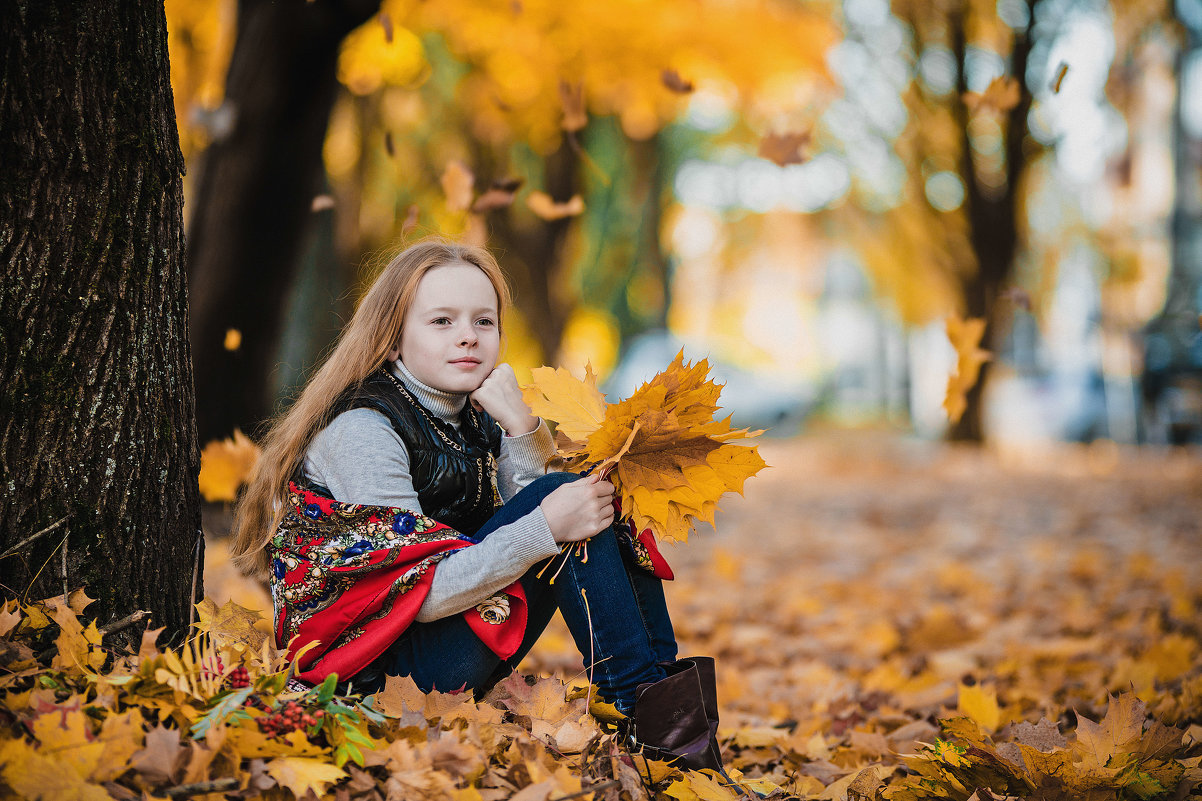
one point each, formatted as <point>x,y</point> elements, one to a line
<point>395,353</point>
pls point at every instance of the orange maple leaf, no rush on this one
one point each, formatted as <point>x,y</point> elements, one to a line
<point>662,449</point>
<point>571,95</point>
<point>965,336</point>
<point>783,149</point>
<point>544,206</point>
<point>457,184</point>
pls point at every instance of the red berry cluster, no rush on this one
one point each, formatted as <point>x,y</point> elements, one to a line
<point>238,678</point>
<point>212,670</point>
<point>288,718</point>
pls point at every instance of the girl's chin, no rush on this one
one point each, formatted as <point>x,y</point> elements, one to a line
<point>462,384</point>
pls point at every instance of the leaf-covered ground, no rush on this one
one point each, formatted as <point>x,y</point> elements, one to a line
<point>891,619</point>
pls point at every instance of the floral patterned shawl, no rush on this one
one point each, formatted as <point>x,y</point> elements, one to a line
<point>352,577</point>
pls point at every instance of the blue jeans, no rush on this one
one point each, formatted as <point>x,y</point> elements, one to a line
<point>631,632</point>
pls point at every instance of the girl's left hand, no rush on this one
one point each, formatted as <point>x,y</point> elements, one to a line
<point>500,396</point>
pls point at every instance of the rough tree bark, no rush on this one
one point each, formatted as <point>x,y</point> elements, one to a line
<point>255,188</point>
<point>98,447</point>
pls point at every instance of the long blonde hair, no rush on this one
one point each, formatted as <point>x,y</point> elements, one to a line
<point>364,345</point>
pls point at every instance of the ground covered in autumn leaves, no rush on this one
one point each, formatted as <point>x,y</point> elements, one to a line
<point>867,586</point>
<point>891,618</point>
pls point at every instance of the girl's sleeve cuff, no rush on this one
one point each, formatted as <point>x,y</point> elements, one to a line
<point>533,448</point>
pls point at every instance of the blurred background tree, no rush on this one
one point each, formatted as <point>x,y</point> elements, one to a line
<point>801,191</point>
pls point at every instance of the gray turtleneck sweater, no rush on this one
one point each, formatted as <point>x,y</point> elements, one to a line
<point>361,459</point>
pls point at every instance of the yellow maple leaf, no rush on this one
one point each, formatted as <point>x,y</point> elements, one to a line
<point>965,336</point>
<point>40,777</point>
<point>1118,733</point>
<point>576,406</point>
<point>300,775</point>
<point>457,184</point>
<point>702,785</point>
<point>78,646</point>
<point>980,703</point>
<point>231,624</point>
<point>122,736</point>
<point>662,449</point>
<point>66,735</point>
<point>225,465</point>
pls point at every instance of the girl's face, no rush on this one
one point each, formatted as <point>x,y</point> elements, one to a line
<point>450,338</point>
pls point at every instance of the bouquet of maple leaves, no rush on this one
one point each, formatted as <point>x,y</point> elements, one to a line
<point>662,448</point>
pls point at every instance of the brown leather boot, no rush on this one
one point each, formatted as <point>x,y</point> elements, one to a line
<point>676,718</point>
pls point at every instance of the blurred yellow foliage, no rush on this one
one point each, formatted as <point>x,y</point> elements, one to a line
<point>591,335</point>
<point>614,53</point>
<point>372,57</point>
<point>200,36</point>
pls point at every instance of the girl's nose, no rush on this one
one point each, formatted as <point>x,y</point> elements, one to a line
<point>467,336</point>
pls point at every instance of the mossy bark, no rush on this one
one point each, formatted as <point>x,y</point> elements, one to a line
<point>97,415</point>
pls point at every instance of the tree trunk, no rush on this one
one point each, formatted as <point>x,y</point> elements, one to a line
<point>992,214</point>
<point>254,199</point>
<point>98,449</point>
<point>533,258</point>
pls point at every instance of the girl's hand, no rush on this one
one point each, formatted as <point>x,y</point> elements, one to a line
<point>580,509</point>
<point>500,396</point>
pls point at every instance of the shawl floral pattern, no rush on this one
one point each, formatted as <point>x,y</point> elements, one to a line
<point>351,578</point>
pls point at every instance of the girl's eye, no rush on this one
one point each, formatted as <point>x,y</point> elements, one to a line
<point>485,321</point>
<point>440,321</point>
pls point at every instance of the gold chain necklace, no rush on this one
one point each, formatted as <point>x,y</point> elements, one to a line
<point>492,460</point>
<point>422,410</point>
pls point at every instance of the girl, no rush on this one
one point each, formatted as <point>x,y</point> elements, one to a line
<point>401,511</point>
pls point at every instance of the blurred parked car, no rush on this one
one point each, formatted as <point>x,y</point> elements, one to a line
<point>754,400</point>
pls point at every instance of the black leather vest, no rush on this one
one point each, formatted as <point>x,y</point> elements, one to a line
<point>453,470</point>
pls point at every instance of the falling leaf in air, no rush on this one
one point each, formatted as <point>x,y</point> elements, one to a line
<point>541,204</point>
<point>1018,296</point>
<point>671,79</point>
<point>571,95</point>
<point>300,775</point>
<point>1002,94</point>
<point>965,336</point>
<point>783,149</point>
<point>457,182</point>
<point>322,203</point>
<point>1061,71</point>
<point>410,219</point>
<point>233,339</point>
<point>499,195</point>
<point>225,465</point>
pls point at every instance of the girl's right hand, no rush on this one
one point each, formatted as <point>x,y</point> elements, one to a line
<point>580,509</point>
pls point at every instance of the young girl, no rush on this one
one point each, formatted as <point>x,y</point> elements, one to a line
<point>401,511</point>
